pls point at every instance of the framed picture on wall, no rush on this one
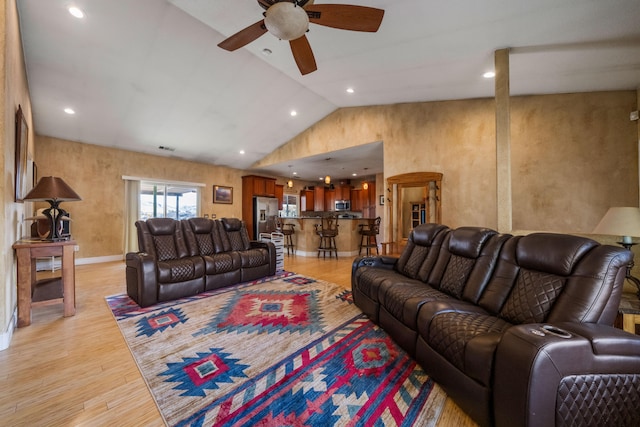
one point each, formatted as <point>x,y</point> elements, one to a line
<point>382,200</point>
<point>222,194</point>
<point>22,135</point>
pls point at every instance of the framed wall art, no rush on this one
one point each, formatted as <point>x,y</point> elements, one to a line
<point>222,194</point>
<point>382,200</point>
<point>22,148</point>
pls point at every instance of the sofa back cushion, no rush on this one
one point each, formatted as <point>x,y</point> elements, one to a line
<point>199,236</point>
<point>237,234</point>
<point>421,250</point>
<point>466,261</point>
<point>161,238</point>
<point>547,277</point>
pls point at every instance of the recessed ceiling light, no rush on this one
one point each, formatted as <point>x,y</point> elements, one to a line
<point>76,12</point>
<point>354,174</point>
<point>266,52</point>
<point>69,110</point>
<point>241,151</point>
<point>350,90</point>
<point>294,113</point>
<point>489,75</point>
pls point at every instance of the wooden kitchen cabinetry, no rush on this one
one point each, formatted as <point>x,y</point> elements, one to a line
<point>253,185</point>
<point>280,195</point>
<point>306,201</point>
<point>343,192</point>
<point>318,199</point>
<point>330,200</point>
<point>259,185</point>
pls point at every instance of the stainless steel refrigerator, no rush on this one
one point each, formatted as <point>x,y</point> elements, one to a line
<point>265,211</point>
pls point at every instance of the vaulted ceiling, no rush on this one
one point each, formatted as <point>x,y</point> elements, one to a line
<point>148,73</point>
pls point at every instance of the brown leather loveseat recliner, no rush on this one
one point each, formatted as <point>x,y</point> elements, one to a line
<point>183,258</point>
<point>516,329</point>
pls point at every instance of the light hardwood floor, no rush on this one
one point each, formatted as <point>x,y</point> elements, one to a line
<point>79,371</point>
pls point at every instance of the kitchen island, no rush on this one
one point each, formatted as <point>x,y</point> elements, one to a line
<point>306,240</point>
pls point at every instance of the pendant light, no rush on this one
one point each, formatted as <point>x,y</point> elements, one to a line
<point>290,182</point>
<point>327,179</point>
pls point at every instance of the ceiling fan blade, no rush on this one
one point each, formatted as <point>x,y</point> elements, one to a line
<point>303,55</point>
<point>346,16</point>
<point>243,37</point>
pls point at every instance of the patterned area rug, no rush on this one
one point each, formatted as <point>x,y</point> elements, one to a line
<point>289,351</point>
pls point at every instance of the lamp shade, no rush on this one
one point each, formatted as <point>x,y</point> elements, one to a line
<point>620,221</point>
<point>52,188</point>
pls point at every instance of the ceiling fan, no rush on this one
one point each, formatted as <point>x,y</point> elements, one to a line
<point>289,20</point>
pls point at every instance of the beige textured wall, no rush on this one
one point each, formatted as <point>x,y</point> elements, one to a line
<point>95,173</point>
<point>14,92</point>
<point>573,155</point>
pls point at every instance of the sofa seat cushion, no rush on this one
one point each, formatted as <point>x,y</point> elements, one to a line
<point>180,270</point>
<point>403,299</point>
<point>254,257</point>
<point>468,340</point>
<point>369,279</point>
<point>222,262</point>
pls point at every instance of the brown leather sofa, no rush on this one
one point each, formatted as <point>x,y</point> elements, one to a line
<point>183,258</point>
<point>516,329</point>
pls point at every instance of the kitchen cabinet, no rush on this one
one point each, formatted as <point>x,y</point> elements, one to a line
<point>329,200</point>
<point>280,195</point>
<point>356,200</point>
<point>253,185</point>
<point>306,201</point>
<point>260,185</point>
<point>318,197</point>
<point>343,192</point>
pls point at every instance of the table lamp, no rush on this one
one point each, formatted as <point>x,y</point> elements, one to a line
<point>53,190</point>
<point>624,222</point>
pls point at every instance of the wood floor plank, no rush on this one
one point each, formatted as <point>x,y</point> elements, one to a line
<point>79,371</point>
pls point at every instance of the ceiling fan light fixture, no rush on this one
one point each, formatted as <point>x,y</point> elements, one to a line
<point>286,21</point>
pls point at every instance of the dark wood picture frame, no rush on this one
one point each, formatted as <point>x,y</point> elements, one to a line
<point>222,194</point>
<point>22,148</point>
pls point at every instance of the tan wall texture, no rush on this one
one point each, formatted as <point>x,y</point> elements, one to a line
<point>14,91</point>
<point>573,155</point>
<point>96,172</point>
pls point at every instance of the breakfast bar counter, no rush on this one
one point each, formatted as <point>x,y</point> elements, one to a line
<point>306,240</point>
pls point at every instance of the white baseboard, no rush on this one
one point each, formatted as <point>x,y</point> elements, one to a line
<point>99,259</point>
<point>5,336</point>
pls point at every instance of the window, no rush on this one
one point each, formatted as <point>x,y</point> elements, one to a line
<point>161,200</point>
<point>289,206</point>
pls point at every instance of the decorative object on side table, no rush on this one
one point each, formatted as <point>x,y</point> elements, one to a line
<point>625,222</point>
<point>54,190</point>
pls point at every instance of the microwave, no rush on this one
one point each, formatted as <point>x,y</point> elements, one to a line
<point>343,205</point>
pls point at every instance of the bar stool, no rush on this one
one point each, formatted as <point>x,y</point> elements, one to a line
<point>368,235</point>
<point>328,230</point>
<point>288,230</point>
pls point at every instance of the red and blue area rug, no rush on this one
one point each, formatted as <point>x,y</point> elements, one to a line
<point>287,351</point>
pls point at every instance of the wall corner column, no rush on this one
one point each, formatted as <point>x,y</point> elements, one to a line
<point>503,141</point>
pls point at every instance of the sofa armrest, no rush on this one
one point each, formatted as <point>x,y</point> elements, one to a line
<point>386,262</point>
<point>590,375</point>
<point>271,250</point>
<point>142,279</point>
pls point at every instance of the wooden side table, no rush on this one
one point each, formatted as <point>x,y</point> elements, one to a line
<point>27,251</point>
<point>630,310</point>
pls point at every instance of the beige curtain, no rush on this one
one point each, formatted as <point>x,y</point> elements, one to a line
<point>131,214</point>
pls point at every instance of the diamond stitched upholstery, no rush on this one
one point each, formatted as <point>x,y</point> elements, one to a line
<point>254,257</point>
<point>532,297</point>
<point>165,247</point>
<point>205,244</point>
<point>598,400</point>
<point>398,298</point>
<point>370,279</point>
<point>450,332</point>
<point>456,274</point>
<point>176,270</point>
<point>418,254</point>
